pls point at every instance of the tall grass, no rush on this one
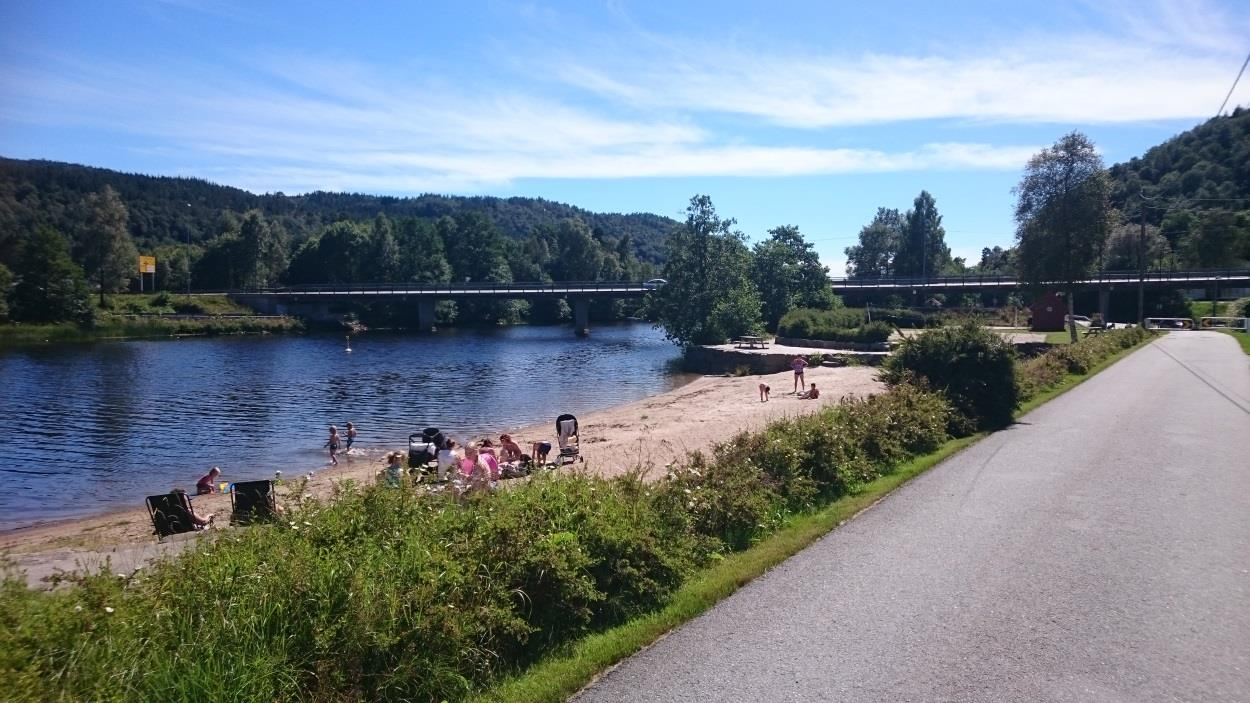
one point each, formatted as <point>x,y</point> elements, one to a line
<point>399,595</point>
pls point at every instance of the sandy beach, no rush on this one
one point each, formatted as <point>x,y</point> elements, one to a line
<point>650,433</point>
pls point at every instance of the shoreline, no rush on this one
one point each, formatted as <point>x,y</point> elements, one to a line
<point>647,433</point>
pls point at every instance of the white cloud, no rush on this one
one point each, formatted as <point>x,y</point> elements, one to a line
<point>1164,60</point>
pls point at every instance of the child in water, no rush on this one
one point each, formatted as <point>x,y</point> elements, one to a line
<point>333,444</point>
<point>351,437</point>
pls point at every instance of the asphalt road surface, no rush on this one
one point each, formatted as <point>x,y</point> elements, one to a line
<point>1099,550</point>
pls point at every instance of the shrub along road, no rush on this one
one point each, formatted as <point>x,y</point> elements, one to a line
<point>1097,550</point>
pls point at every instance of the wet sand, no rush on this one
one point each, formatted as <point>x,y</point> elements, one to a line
<point>649,433</point>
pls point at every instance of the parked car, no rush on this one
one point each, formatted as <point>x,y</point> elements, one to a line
<point>654,284</point>
<point>1081,320</point>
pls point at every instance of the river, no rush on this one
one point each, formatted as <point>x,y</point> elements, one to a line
<point>99,426</point>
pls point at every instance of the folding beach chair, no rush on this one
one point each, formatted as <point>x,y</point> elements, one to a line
<point>252,501</point>
<point>171,514</point>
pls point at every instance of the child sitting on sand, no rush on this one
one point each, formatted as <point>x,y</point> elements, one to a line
<point>206,484</point>
<point>813,394</point>
<point>394,469</point>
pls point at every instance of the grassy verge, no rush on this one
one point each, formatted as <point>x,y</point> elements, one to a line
<point>561,675</point>
<point>1242,338</point>
<point>558,677</point>
<point>109,327</point>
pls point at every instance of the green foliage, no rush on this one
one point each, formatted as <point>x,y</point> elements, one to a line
<point>1047,370</point>
<point>709,297</point>
<point>844,325</point>
<point>50,287</point>
<point>1205,167</point>
<point>105,247</point>
<point>907,319</point>
<point>1062,212</point>
<point>6,287</point>
<point>788,274</point>
<point>922,248</point>
<point>387,594</point>
<point>972,366</point>
<point>879,241</point>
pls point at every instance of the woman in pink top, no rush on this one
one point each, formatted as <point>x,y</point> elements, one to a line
<point>798,363</point>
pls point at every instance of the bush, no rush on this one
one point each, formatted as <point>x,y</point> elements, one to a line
<point>907,319</point>
<point>1047,370</point>
<point>841,325</point>
<point>392,594</point>
<point>973,367</point>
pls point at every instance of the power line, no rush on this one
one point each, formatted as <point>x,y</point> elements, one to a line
<point>1230,90</point>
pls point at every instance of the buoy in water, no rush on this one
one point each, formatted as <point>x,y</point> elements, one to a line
<point>349,345</point>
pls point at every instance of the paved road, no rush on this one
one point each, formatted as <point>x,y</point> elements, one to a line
<point>1097,551</point>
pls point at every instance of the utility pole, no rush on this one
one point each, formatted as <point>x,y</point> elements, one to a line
<point>1141,268</point>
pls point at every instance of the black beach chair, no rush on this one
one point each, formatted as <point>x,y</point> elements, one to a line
<point>171,514</point>
<point>567,436</point>
<point>423,449</point>
<point>252,501</point>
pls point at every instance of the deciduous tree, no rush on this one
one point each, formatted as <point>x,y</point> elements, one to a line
<point>709,296</point>
<point>106,248</point>
<point>1062,216</point>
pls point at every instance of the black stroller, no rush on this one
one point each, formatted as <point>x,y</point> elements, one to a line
<point>567,436</point>
<point>423,449</point>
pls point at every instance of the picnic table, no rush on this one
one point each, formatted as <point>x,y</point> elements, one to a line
<point>751,342</point>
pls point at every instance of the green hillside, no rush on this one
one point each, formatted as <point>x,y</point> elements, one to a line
<point>166,210</point>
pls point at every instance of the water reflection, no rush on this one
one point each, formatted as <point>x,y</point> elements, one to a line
<point>108,423</point>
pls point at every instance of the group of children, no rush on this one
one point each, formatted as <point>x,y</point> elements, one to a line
<point>333,442</point>
<point>477,462</point>
<point>798,364</point>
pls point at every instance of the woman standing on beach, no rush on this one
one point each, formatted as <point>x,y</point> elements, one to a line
<point>798,363</point>
<point>333,444</point>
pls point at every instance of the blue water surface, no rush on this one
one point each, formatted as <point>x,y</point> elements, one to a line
<point>93,427</point>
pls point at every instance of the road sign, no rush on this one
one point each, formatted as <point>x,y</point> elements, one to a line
<point>147,264</point>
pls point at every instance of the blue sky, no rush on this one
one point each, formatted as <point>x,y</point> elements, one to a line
<point>812,114</point>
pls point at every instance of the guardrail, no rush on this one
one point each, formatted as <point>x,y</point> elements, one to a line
<point>1108,277</point>
<point>455,289</point>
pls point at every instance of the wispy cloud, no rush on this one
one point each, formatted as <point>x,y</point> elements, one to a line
<point>631,105</point>
<point>1163,60</point>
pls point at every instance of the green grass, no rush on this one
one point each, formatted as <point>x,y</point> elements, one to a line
<point>560,676</point>
<point>1063,337</point>
<point>109,327</point>
<point>1072,380</point>
<point>1242,338</point>
<point>170,303</point>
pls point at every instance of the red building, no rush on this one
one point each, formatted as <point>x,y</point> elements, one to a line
<point>1048,312</point>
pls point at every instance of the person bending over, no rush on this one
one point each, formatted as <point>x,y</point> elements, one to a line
<point>207,482</point>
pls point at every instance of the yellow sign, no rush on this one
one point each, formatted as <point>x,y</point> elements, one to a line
<point>147,264</point>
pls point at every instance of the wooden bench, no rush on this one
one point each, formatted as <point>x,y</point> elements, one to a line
<point>751,342</point>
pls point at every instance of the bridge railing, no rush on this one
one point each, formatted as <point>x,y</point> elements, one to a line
<point>588,287</point>
<point>1197,276</point>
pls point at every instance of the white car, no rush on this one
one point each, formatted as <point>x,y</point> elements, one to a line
<point>1081,320</point>
<point>654,284</point>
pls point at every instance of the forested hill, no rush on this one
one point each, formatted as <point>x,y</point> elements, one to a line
<point>179,210</point>
<point>1205,168</point>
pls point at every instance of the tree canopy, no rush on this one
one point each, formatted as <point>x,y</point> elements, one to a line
<point>710,296</point>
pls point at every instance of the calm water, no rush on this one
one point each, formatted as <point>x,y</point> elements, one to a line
<point>97,426</point>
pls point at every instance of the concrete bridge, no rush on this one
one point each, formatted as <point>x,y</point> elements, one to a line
<point>282,300</point>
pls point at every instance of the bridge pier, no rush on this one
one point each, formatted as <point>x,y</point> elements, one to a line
<point>1104,304</point>
<point>581,316</point>
<point>426,320</point>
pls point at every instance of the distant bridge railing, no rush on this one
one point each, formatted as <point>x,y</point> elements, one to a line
<point>1154,279</point>
<point>470,289</point>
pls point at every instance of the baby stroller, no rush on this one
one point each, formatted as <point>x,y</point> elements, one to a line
<point>566,432</point>
<point>423,449</point>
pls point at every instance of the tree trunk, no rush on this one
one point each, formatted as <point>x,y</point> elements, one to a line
<point>1072,313</point>
<point>101,286</point>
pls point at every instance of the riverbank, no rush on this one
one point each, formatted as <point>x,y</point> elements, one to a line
<point>650,433</point>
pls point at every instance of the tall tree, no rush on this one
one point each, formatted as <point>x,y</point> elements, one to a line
<point>578,255</point>
<point>106,248</point>
<point>6,285</point>
<point>788,274</point>
<point>879,241</point>
<point>262,251</point>
<point>709,296</point>
<point>386,258</point>
<point>1062,216</point>
<point>50,287</point>
<point>1218,241</point>
<point>922,250</point>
